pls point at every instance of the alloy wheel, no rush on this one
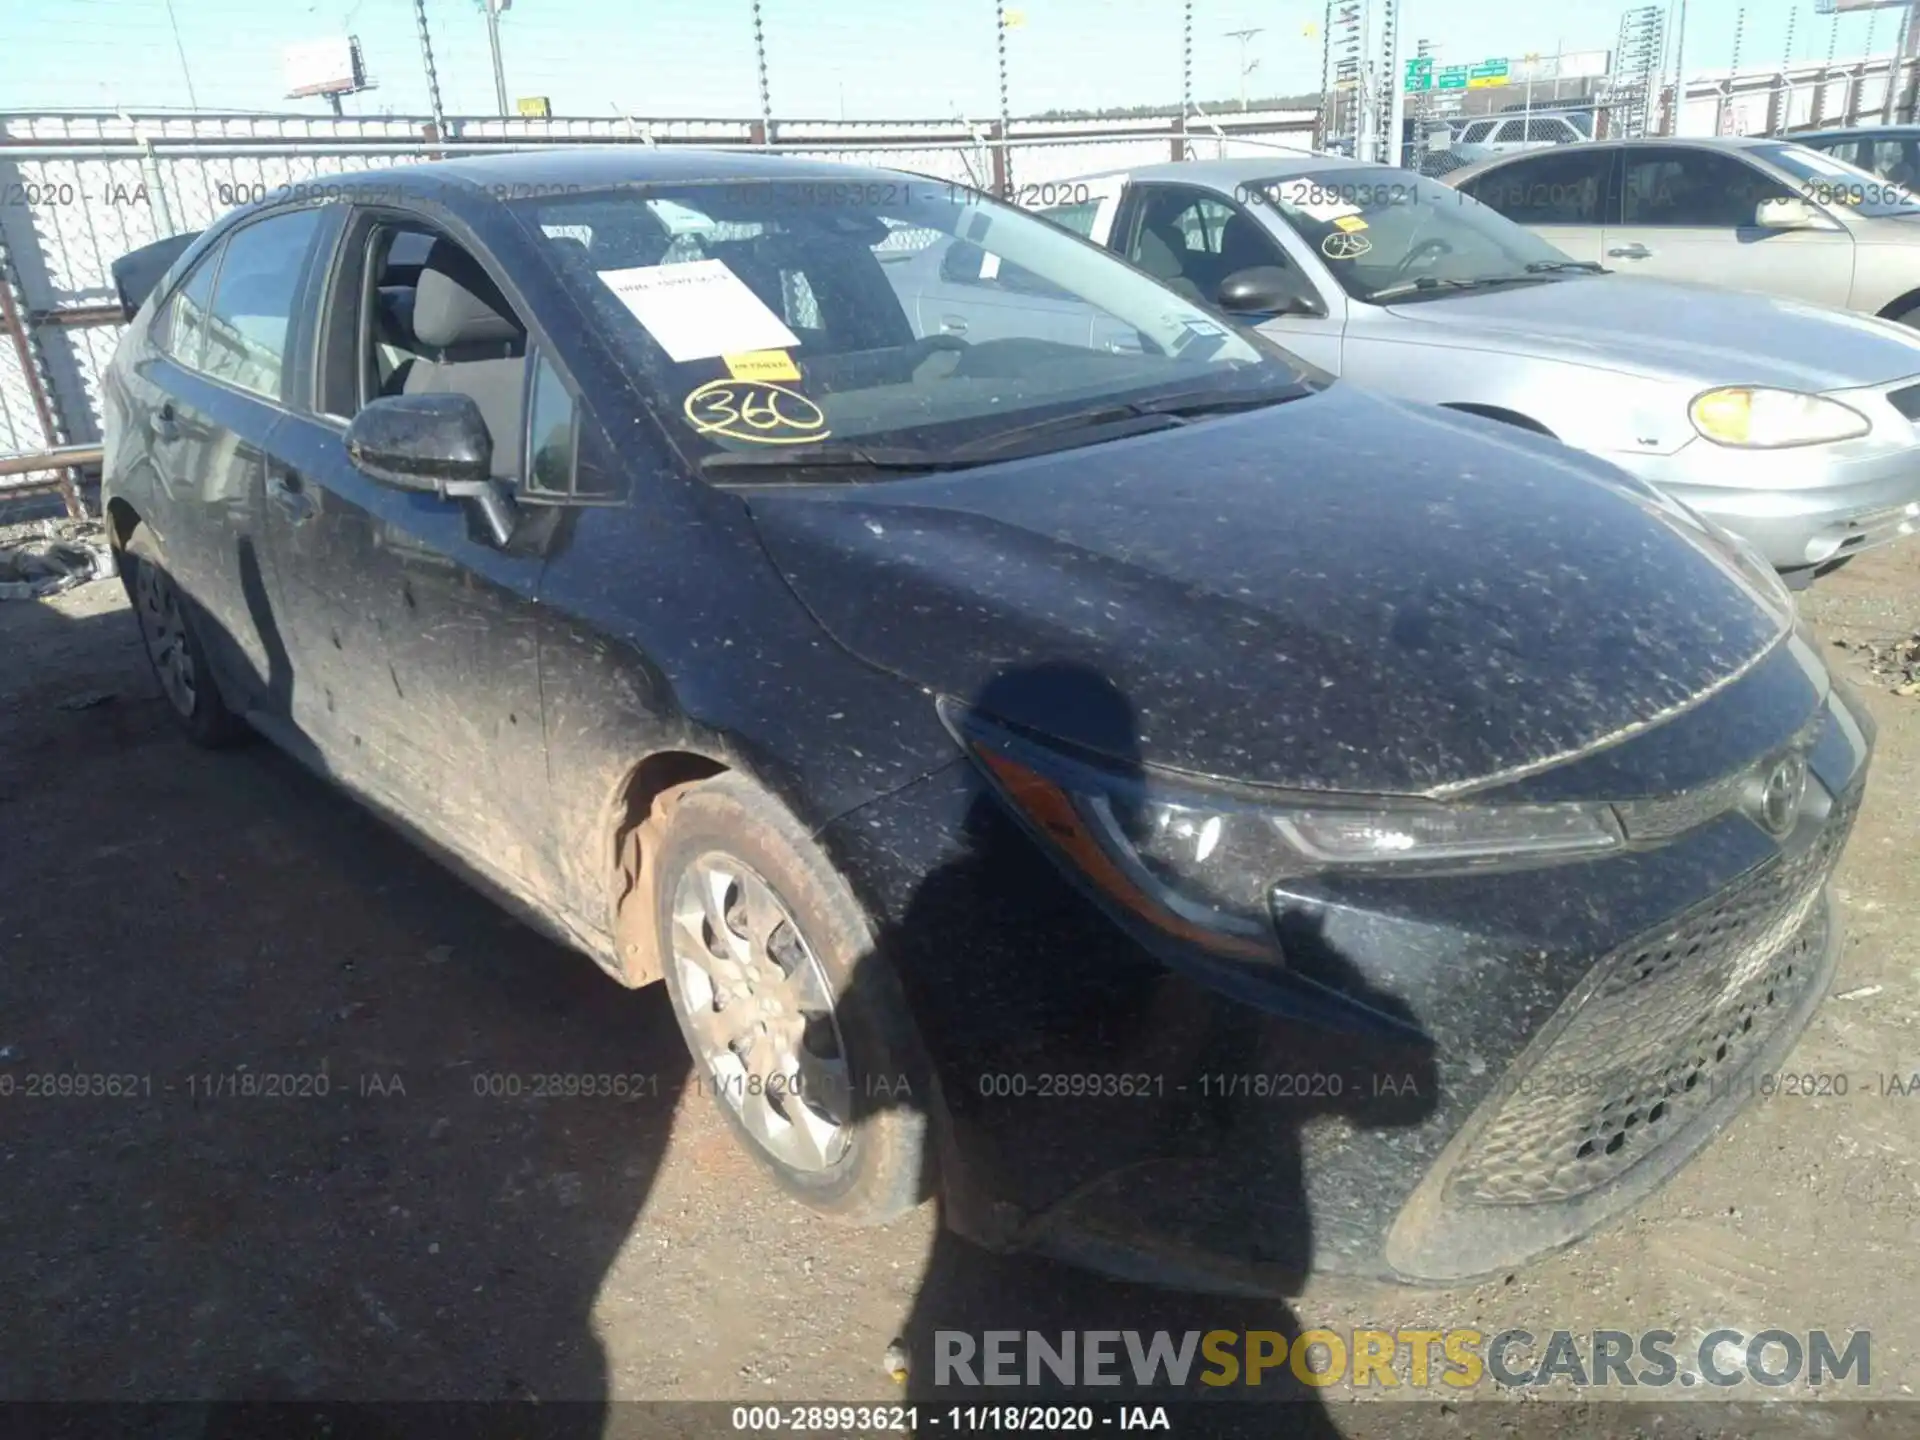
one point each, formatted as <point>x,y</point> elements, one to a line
<point>164,628</point>
<point>757,1004</point>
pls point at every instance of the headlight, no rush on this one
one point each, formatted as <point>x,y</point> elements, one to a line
<point>1758,419</point>
<point>1197,863</point>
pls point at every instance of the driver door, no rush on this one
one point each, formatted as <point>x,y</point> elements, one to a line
<point>1687,214</point>
<point>1191,239</point>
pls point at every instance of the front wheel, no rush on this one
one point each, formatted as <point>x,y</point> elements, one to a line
<point>174,648</point>
<point>797,1027</point>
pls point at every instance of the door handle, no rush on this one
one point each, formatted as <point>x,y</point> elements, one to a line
<point>1635,251</point>
<point>163,423</point>
<point>952,325</point>
<point>290,497</point>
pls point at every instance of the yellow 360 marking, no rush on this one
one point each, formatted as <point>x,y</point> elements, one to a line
<point>757,411</point>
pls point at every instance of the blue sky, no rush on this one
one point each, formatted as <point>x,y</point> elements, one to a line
<point>861,58</point>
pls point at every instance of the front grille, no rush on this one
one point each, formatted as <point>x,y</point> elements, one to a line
<point>1666,1025</point>
<point>1906,401</point>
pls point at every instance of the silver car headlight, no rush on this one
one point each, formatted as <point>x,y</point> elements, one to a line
<point>1751,417</point>
<point>1197,863</point>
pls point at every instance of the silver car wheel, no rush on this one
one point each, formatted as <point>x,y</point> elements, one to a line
<point>164,629</point>
<point>757,1004</point>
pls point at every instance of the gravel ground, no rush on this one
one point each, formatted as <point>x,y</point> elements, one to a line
<point>318,1184</point>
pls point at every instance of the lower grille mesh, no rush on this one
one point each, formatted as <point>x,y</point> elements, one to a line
<point>1669,1020</point>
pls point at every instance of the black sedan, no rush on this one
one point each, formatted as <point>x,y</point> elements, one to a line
<point>1061,752</point>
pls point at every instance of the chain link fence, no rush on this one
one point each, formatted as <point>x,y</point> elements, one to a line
<point>79,190</point>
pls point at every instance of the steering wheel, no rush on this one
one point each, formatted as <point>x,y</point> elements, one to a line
<point>1434,243</point>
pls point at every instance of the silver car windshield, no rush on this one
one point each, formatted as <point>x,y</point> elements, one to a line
<point>1826,180</point>
<point>1388,234</point>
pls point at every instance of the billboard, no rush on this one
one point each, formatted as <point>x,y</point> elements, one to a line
<point>1573,65</point>
<point>324,67</point>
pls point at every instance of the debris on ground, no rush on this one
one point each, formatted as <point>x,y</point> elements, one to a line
<point>47,556</point>
<point>1897,661</point>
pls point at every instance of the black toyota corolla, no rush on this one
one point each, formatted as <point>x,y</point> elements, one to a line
<point>1062,753</point>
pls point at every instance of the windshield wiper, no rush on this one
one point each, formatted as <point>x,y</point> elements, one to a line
<point>1429,284</point>
<point>1174,409</point>
<point>1558,267</point>
<point>900,458</point>
<point>1136,417</point>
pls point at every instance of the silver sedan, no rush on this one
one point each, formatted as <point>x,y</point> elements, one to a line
<point>1791,425</point>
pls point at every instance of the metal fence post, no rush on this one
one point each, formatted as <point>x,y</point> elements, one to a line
<point>33,373</point>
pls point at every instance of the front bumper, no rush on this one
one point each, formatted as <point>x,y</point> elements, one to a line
<point>1804,506</point>
<point>1452,1074</point>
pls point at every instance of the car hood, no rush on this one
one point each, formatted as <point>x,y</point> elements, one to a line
<point>1343,592</point>
<point>1659,327</point>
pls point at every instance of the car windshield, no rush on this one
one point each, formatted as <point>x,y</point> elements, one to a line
<point>888,322</point>
<point>1388,234</point>
<point>1826,180</point>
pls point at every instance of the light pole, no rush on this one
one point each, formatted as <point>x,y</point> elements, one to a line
<point>1243,36</point>
<point>1679,70</point>
<point>493,9</point>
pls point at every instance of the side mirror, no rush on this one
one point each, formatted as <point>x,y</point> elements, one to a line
<point>434,443</point>
<point>1266,290</point>
<point>1786,213</point>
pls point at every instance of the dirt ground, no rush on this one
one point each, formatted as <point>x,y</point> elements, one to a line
<point>196,930</point>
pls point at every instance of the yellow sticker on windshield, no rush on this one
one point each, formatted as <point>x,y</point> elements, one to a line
<point>1349,223</point>
<point>757,411</point>
<point>762,365</point>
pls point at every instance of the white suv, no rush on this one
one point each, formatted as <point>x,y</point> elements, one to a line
<point>1491,135</point>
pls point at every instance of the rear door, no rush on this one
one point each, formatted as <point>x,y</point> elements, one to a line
<point>1686,213</point>
<point>225,348</point>
<point>1562,195</point>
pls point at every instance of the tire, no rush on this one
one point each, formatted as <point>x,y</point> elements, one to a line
<point>168,630</point>
<point>726,837</point>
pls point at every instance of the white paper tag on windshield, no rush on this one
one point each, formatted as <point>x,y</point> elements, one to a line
<point>698,309</point>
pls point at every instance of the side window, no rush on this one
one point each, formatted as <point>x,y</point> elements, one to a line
<point>1894,160</point>
<point>181,330</point>
<point>1511,131</point>
<point>1477,132</point>
<point>1192,240</point>
<point>1556,187</point>
<point>252,311</point>
<point>1077,218</point>
<point>1700,188</point>
<point>550,433</point>
<point>1551,130</point>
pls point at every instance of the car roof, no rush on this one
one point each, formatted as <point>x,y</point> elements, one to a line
<point>1225,174</point>
<point>597,166</point>
<point>1852,132</point>
<point>1653,142</point>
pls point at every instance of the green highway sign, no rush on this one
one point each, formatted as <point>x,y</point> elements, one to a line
<point>1420,73</point>
<point>1453,77</point>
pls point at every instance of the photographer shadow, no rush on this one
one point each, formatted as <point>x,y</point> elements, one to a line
<point>1116,1129</point>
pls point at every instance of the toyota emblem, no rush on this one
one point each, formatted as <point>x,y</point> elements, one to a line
<point>1780,796</point>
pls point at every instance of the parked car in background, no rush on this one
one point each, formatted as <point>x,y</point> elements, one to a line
<point>1001,750</point>
<point>1746,213</point>
<point>1890,151</point>
<point>1791,425</point>
<point>1471,140</point>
